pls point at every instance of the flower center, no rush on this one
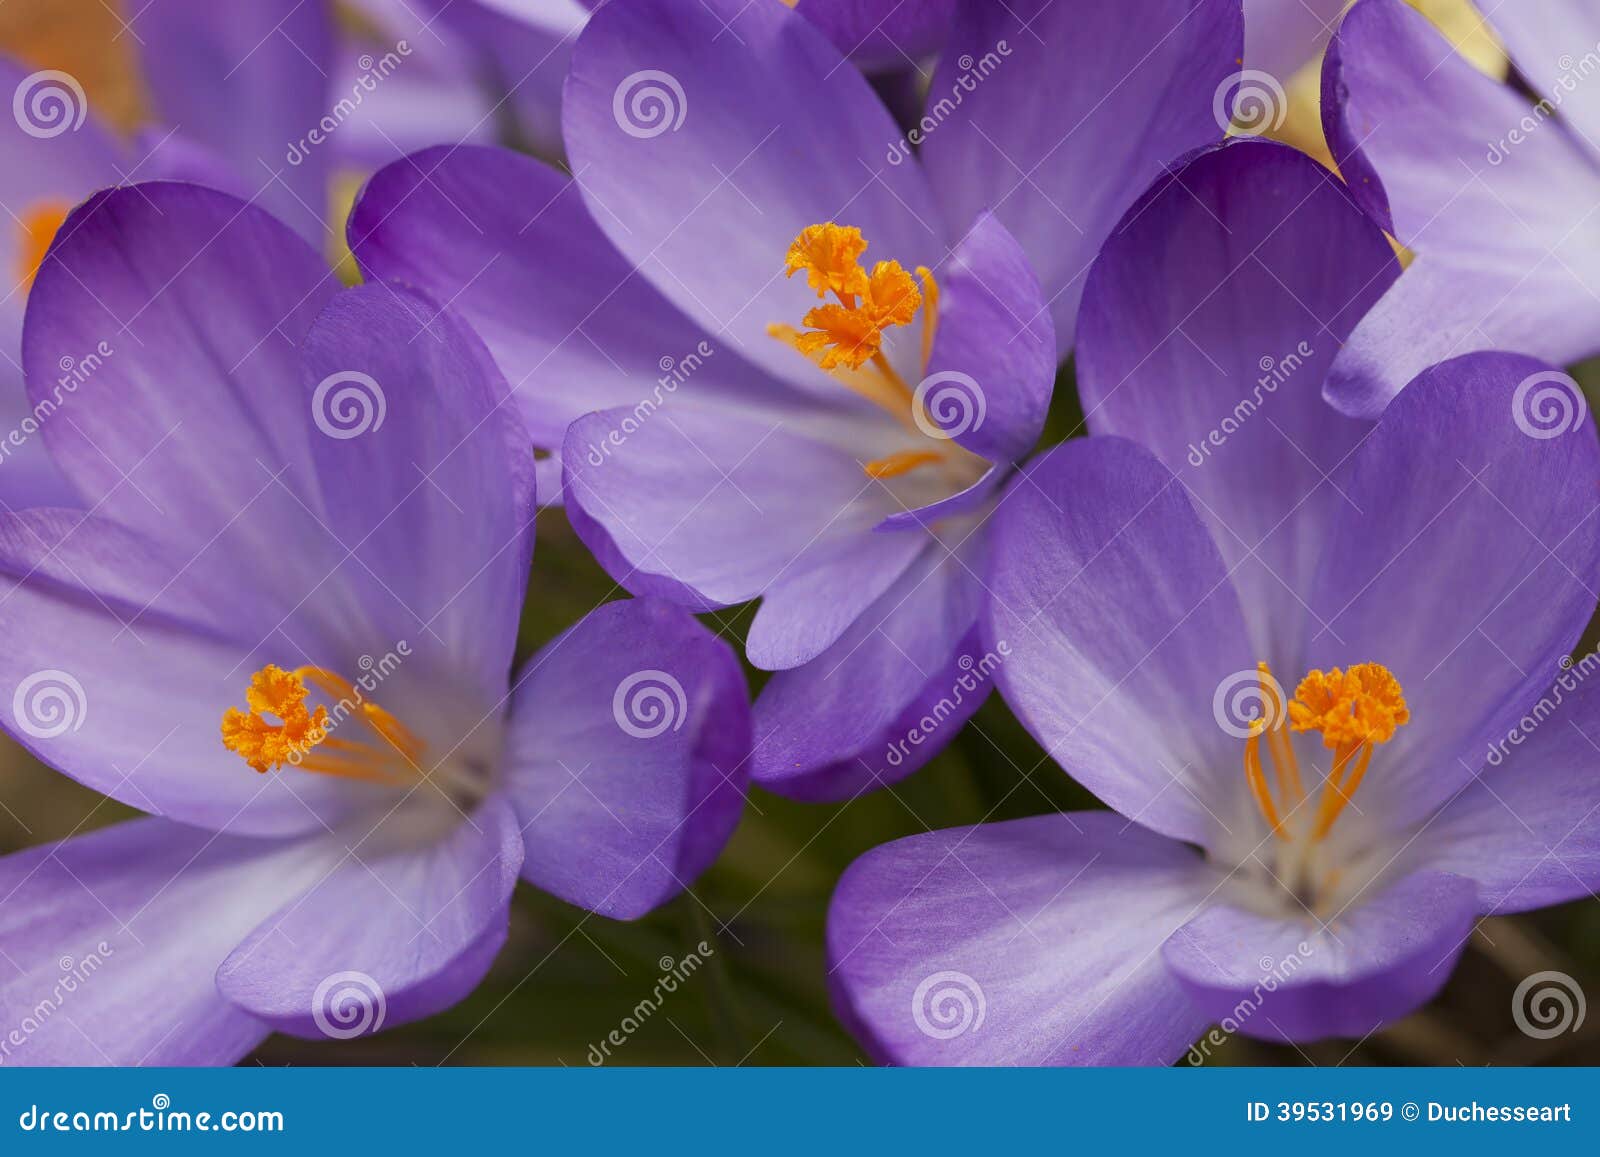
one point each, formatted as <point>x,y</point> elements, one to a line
<point>386,751</point>
<point>1355,710</point>
<point>37,228</point>
<point>845,336</point>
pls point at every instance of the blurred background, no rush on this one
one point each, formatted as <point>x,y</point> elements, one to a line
<point>567,980</point>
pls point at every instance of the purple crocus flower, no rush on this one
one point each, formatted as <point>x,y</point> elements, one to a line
<point>1282,35</point>
<point>736,182</point>
<point>1293,651</point>
<point>1495,195</point>
<point>309,529</point>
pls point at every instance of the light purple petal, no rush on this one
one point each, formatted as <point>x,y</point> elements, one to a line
<point>1033,942</point>
<point>1525,831</point>
<point>250,83</point>
<point>187,416</point>
<point>882,33</point>
<point>722,503</point>
<point>1057,116</point>
<point>509,244</point>
<point>1282,979</point>
<point>1463,558</point>
<point>1497,203</point>
<point>111,941</point>
<point>1123,632</point>
<point>408,931</point>
<point>1208,325</point>
<point>994,349</point>
<point>707,136</point>
<point>432,473</point>
<point>1545,39</point>
<point>628,756</point>
<point>894,689</point>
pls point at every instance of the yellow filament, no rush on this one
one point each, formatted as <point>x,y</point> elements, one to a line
<point>1258,783</point>
<point>900,463</point>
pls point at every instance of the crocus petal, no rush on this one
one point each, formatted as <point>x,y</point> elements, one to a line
<point>1464,561</point>
<point>248,83</point>
<point>383,936</point>
<point>112,940</point>
<point>1207,328</point>
<point>1503,230</point>
<point>1125,637</point>
<point>1543,38</point>
<point>1524,831</point>
<point>892,691</point>
<point>189,419</point>
<point>1373,963</point>
<point>509,244</point>
<point>1032,942</point>
<point>627,757</point>
<point>993,363</point>
<point>707,136</point>
<point>722,503</point>
<point>433,474</point>
<point>881,33</point>
<point>1057,116</point>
